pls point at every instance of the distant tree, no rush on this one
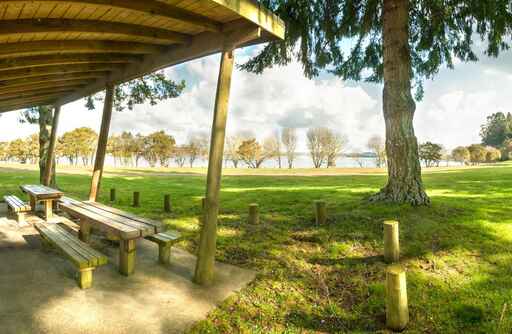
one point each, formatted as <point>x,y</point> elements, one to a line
<point>477,153</point>
<point>3,151</point>
<point>278,152</point>
<point>377,146</point>
<point>197,147</point>
<point>461,154</point>
<point>180,155</point>
<point>33,147</point>
<point>506,150</point>
<point>126,147</point>
<point>159,148</point>
<point>272,148</point>
<point>316,138</point>
<point>138,148</point>
<point>492,155</point>
<point>18,150</point>
<point>289,139</point>
<point>333,145</point>
<point>114,147</point>
<point>233,144</point>
<point>251,153</point>
<point>430,153</point>
<point>497,129</point>
<point>79,144</point>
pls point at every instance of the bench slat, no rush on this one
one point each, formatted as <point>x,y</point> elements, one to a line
<point>81,254</point>
<point>16,204</point>
<point>165,237</point>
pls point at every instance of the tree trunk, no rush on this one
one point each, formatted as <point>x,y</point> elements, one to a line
<point>404,169</point>
<point>45,130</point>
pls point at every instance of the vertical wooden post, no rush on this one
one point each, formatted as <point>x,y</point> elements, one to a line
<point>397,309</point>
<point>127,257</point>
<point>204,271</point>
<point>113,194</point>
<point>102,144</point>
<point>254,214</point>
<point>136,199</point>
<point>50,157</point>
<point>203,204</point>
<point>391,242</point>
<point>320,212</point>
<point>167,203</point>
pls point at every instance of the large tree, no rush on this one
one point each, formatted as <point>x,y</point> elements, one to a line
<point>398,42</point>
<point>496,129</point>
<point>150,88</point>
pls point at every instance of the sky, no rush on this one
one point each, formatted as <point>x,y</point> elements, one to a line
<point>456,103</point>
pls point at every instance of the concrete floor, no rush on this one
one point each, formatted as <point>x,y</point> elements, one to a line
<point>38,292</point>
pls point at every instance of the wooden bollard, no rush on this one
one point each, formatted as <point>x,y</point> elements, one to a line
<point>320,212</point>
<point>254,214</point>
<point>397,308</point>
<point>113,194</point>
<point>136,199</point>
<point>391,242</point>
<point>167,203</point>
<point>203,203</point>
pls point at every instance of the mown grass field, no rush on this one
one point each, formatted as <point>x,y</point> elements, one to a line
<point>458,252</point>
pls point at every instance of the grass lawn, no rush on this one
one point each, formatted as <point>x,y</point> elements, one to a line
<point>458,252</point>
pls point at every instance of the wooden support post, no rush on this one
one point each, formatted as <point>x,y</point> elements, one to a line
<point>203,204</point>
<point>50,156</point>
<point>397,309</point>
<point>102,144</point>
<point>85,231</point>
<point>320,212</point>
<point>254,214</point>
<point>391,242</point>
<point>33,204</point>
<point>204,271</point>
<point>164,253</point>
<point>113,194</point>
<point>167,203</point>
<point>48,210</point>
<point>85,278</point>
<point>136,199</point>
<point>127,257</point>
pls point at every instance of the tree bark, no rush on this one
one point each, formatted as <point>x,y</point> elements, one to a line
<point>45,129</point>
<point>404,170</point>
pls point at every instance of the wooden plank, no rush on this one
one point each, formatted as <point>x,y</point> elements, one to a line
<point>35,92</point>
<point>148,7</point>
<point>41,192</point>
<point>39,26</point>
<point>61,47</point>
<point>42,86</point>
<point>70,59</point>
<point>159,227</point>
<point>50,79</point>
<point>123,231</point>
<point>57,69</point>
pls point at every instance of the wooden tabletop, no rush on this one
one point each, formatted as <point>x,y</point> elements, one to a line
<point>41,192</point>
<point>123,224</point>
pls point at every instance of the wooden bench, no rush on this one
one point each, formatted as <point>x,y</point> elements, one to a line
<point>17,207</point>
<point>81,255</point>
<point>165,240</point>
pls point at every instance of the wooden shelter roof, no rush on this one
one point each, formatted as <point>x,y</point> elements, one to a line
<point>55,52</point>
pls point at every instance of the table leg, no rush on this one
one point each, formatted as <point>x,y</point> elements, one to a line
<point>33,204</point>
<point>127,257</point>
<point>85,231</point>
<point>48,209</point>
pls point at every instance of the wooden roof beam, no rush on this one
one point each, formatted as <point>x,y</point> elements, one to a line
<point>28,102</point>
<point>27,49</point>
<point>72,59</point>
<point>149,7</point>
<point>35,86</point>
<point>51,70</point>
<point>36,92</point>
<point>43,26</point>
<point>50,79</point>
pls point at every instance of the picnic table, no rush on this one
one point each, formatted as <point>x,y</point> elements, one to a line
<point>39,193</point>
<point>122,225</point>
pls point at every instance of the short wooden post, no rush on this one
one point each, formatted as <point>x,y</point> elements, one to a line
<point>204,271</point>
<point>136,199</point>
<point>101,151</point>
<point>85,278</point>
<point>320,212</point>
<point>113,194</point>
<point>397,309</point>
<point>167,203</point>
<point>203,203</point>
<point>50,157</point>
<point>127,257</point>
<point>254,214</point>
<point>164,253</point>
<point>391,242</point>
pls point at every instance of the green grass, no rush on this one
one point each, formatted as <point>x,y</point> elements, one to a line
<point>458,252</point>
